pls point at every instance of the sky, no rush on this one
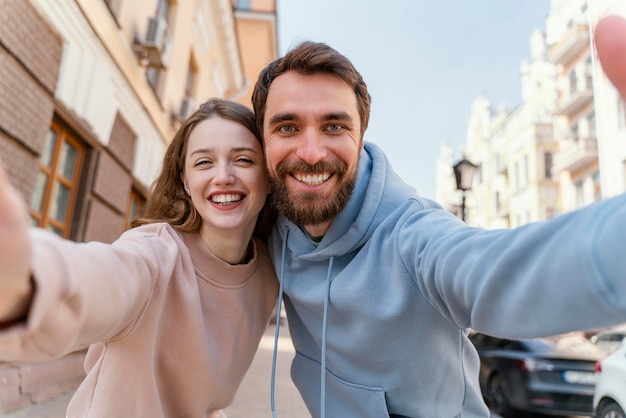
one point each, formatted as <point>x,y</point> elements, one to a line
<point>424,63</point>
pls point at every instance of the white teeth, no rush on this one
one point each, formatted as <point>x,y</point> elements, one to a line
<point>226,199</point>
<point>312,179</point>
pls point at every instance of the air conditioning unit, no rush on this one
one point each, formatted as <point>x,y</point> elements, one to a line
<point>187,107</point>
<point>153,50</point>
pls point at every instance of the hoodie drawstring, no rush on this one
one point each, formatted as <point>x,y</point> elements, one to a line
<point>277,331</point>
<point>324,331</point>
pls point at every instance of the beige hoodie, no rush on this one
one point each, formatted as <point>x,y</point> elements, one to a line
<point>171,328</point>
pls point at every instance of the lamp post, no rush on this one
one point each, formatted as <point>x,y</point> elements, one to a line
<point>464,173</point>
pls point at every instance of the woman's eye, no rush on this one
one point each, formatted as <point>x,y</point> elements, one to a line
<point>245,160</point>
<point>201,163</point>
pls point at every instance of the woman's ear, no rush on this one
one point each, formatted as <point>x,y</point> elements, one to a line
<point>182,178</point>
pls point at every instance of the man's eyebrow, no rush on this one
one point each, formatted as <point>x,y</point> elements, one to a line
<point>343,116</point>
<point>281,117</point>
<point>287,117</point>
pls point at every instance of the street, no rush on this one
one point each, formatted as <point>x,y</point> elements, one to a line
<point>252,399</point>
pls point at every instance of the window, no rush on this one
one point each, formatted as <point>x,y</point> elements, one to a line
<point>573,82</point>
<point>575,131</point>
<point>243,4</point>
<point>526,170</point>
<point>547,165</point>
<point>597,189</point>
<point>135,205</point>
<point>55,192</point>
<point>591,124</point>
<point>580,194</point>
<point>498,203</point>
<point>621,113</point>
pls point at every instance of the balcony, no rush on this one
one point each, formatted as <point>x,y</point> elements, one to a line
<point>575,154</point>
<point>575,40</point>
<point>579,96</point>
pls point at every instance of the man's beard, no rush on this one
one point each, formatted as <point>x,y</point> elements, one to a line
<point>311,208</point>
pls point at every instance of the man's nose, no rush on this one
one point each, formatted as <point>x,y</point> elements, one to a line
<point>312,148</point>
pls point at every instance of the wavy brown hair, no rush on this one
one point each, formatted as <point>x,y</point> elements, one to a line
<point>168,201</point>
<point>309,58</point>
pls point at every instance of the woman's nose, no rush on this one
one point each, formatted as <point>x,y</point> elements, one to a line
<point>224,174</point>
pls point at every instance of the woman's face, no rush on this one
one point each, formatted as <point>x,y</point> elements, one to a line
<point>225,176</point>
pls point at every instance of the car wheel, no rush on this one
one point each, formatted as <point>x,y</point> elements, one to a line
<point>495,396</point>
<point>611,410</point>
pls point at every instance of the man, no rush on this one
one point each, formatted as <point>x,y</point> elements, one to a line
<point>381,285</point>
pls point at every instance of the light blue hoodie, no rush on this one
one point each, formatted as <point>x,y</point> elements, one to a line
<point>384,301</point>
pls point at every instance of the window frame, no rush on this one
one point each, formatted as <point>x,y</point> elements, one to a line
<point>54,176</point>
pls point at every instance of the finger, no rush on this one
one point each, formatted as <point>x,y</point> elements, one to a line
<point>610,41</point>
<point>12,207</point>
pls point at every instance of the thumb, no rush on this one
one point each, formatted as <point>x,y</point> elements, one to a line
<point>610,41</point>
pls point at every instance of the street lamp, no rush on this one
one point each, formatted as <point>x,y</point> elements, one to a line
<point>464,173</point>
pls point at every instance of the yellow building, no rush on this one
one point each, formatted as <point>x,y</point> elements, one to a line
<point>258,42</point>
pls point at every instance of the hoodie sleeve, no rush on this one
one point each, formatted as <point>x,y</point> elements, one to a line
<point>544,278</point>
<point>86,292</point>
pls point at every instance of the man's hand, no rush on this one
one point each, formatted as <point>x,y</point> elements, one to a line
<point>15,253</point>
<point>610,40</point>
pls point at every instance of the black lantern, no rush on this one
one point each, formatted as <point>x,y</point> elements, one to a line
<point>464,174</point>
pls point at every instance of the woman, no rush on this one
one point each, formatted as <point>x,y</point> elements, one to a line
<point>173,311</point>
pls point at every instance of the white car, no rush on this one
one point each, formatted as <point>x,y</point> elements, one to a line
<point>609,400</point>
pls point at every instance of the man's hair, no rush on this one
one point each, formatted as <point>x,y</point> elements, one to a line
<point>168,200</point>
<point>310,58</point>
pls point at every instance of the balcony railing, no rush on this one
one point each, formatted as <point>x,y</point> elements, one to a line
<point>575,40</point>
<point>575,154</point>
<point>577,97</point>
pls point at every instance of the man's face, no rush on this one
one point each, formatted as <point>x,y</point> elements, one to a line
<point>312,135</point>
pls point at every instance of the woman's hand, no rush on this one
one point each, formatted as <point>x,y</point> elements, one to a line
<point>16,289</point>
<point>610,39</point>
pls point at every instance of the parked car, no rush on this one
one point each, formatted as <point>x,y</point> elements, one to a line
<point>610,339</point>
<point>609,400</point>
<point>552,376</point>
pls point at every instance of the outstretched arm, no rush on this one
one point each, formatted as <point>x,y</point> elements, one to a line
<point>16,288</point>
<point>610,41</point>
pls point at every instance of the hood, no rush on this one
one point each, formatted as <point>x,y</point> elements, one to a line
<point>378,191</point>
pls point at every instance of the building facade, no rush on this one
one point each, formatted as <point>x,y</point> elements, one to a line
<point>255,21</point>
<point>92,93</point>
<point>576,161</point>
<point>564,146</point>
<point>512,148</point>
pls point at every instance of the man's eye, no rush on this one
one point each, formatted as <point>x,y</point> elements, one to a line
<point>287,129</point>
<point>334,127</point>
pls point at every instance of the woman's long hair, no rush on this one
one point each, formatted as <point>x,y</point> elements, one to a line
<point>168,201</point>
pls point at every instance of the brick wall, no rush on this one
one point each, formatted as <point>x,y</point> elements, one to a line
<point>112,186</point>
<point>30,55</point>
